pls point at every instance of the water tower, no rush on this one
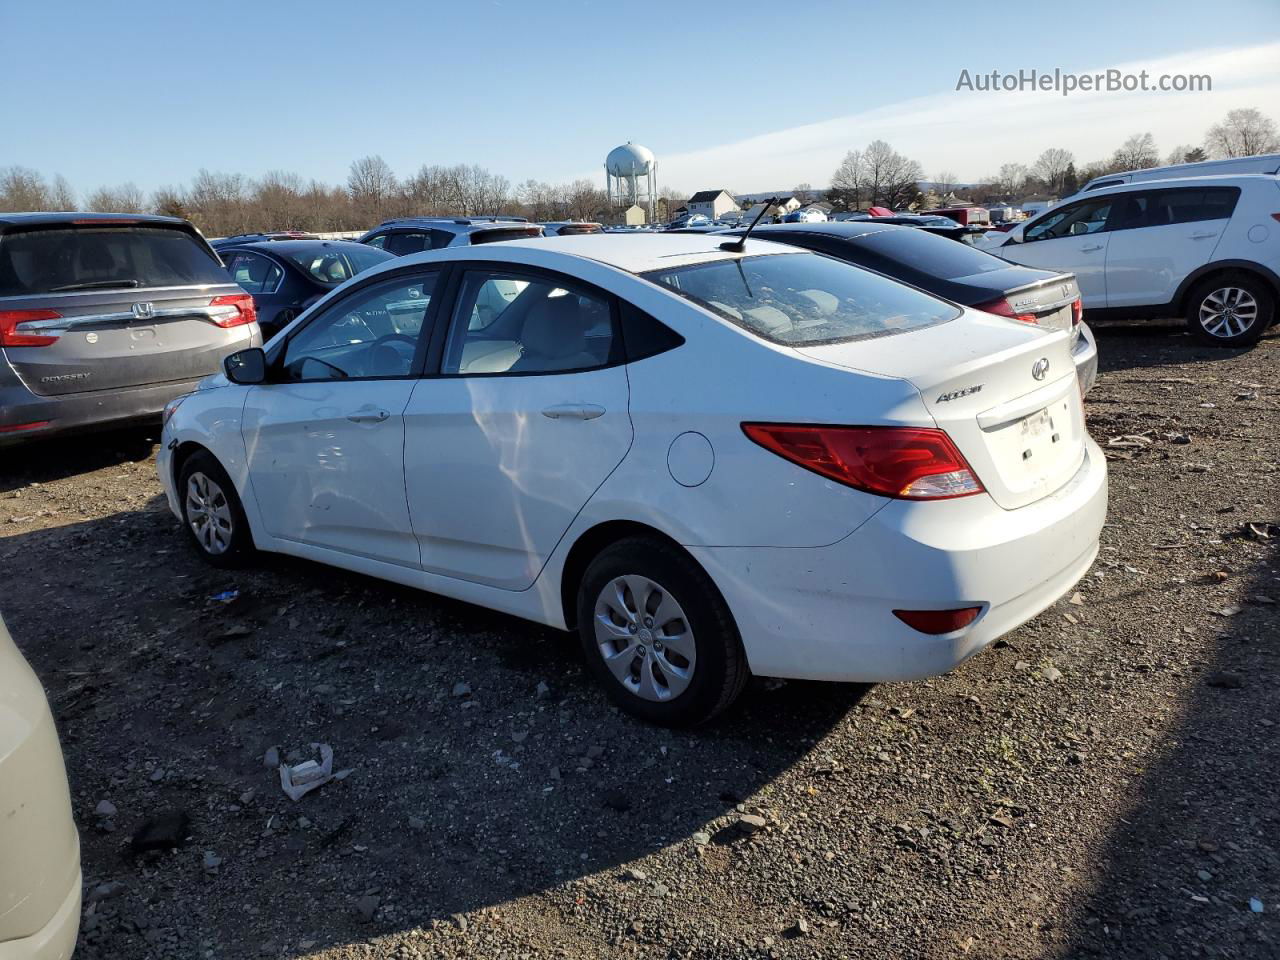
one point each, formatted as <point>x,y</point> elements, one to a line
<point>631,176</point>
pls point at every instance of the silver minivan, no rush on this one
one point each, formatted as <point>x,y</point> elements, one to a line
<point>105,318</point>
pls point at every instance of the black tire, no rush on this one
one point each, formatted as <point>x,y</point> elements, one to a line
<point>228,524</point>
<point>719,668</point>
<point>1211,297</point>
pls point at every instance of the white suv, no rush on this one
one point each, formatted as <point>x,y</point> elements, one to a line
<point>1206,248</point>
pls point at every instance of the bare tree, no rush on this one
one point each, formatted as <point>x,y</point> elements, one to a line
<point>944,183</point>
<point>1137,152</point>
<point>849,182</point>
<point>372,187</point>
<point>1011,179</point>
<point>891,177</point>
<point>278,197</point>
<point>804,192</point>
<point>218,203</point>
<point>61,196</point>
<point>1051,167</point>
<point>22,189</point>
<point>170,202</point>
<point>1178,154</point>
<point>1244,133</point>
<point>126,198</point>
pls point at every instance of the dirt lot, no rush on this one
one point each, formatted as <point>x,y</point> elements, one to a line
<point>1101,783</point>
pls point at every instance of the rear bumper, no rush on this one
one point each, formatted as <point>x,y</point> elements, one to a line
<point>827,613</point>
<point>82,411</point>
<point>56,940</point>
<point>1085,356</point>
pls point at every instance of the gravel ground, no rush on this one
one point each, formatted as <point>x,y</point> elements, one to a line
<point>1103,782</point>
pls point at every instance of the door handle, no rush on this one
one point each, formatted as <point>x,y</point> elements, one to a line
<point>1204,236</point>
<point>368,415</point>
<point>1096,246</point>
<point>573,411</point>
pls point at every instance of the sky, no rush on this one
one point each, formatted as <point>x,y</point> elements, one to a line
<point>746,95</point>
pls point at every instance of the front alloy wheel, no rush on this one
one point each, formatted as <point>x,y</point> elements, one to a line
<point>209,514</point>
<point>1228,312</point>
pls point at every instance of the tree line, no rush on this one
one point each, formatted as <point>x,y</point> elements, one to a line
<point>222,204</point>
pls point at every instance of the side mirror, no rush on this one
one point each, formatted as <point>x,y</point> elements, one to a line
<point>246,367</point>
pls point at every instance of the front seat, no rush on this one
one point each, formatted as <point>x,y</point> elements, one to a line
<point>555,337</point>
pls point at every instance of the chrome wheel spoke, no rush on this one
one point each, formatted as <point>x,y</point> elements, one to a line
<point>619,663</point>
<point>1228,312</point>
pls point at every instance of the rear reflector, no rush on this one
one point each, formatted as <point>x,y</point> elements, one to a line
<point>907,463</point>
<point>1003,308</point>
<point>12,333</point>
<point>938,621</point>
<point>34,425</point>
<point>236,309</point>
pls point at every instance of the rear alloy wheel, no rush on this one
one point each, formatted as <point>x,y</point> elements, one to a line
<point>1232,310</point>
<point>211,512</point>
<point>658,635</point>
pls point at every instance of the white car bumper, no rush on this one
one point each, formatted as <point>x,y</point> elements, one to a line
<point>1085,356</point>
<point>827,613</point>
<point>56,940</point>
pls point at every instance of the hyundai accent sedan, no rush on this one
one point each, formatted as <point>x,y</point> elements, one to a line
<point>710,458</point>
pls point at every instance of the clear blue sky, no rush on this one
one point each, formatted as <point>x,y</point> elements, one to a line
<point>152,91</point>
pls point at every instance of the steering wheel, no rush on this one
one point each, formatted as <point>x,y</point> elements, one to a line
<point>384,358</point>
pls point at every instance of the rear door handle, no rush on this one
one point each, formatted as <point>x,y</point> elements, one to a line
<point>573,411</point>
<point>1204,236</point>
<point>368,415</point>
<point>1096,246</point>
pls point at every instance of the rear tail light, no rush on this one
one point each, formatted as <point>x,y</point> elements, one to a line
<point>34,425</point>
<point>233,310</point>
<point>906,463</point>
<point>1077,312</point>
<point>1003,308</point>
<point>14,331</point>
<point>938,621</point>
<point>1275,216</point>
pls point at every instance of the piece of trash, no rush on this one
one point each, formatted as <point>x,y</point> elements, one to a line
<point>1255,904</point>
<point>1261,531</point>
<point>301,778</point>
<point>226,596</point>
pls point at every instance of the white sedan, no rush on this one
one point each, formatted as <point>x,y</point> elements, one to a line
<point>709,461</point>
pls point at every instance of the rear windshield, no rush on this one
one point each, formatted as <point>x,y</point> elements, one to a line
<point>103,257</point>
<point>329,266</point>
<point>505,233</point>
<point>931,254</point>
<point>575,229</point>
<point>804,298</point>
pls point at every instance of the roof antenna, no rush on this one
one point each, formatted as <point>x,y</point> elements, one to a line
<point>739,245</point>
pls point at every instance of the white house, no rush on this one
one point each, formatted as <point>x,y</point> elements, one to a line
<point>712,204</point>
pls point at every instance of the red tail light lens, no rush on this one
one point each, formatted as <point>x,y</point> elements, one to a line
<point>1077,312</point>
<point>907,463</point>
<point>236,310</point>
<point>938,621</point>
<point>1003,308</point>
<point>34,425</point>
<point>1275,216</point>
<point>12,334</point>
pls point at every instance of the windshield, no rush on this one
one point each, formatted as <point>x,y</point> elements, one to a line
<point>62,259</point>
<point>804,298</point>
<point>332,266</point>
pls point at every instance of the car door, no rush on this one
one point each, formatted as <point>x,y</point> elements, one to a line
<point>525,419</point>
<point>325,437</point>
<point>1072,238</point>
<point>1158,237</point>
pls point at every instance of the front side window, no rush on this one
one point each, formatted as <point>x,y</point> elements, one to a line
<point>510,323</point>
<point>374,332</point>
<point>1073,221</point>
<point>377,242</point>
<point>256,274</point>
<point>804,298</point>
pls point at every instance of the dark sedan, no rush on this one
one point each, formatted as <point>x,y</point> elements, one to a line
<point>933,223</point>
<point>954,271</point>
<point>287,276</point>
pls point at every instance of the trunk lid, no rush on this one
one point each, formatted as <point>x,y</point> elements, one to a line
<point>1022,434</point>
<point>122,304</point>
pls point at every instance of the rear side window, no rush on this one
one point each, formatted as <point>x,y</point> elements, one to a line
<point>332,267</point>
<point>55,260</point>
<point>402,243</point>
<point>254,273</point>
<point>804,298</point>
<point>1162,208</point>
<point>929,253</point>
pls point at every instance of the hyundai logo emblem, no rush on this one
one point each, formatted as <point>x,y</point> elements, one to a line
<point>1040,369</point>
<point>144,311</point>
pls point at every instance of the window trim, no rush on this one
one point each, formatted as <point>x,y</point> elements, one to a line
<point>275,360</point>
<point>458,270</point>
<point>1068,208</point>
<point>1152,192</point>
